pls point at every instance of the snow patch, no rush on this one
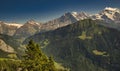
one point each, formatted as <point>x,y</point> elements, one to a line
<point>75,14</point>
<point>110,16</point>
<point>32,22</point>
<point>14,24</point>
<point>109,8</point>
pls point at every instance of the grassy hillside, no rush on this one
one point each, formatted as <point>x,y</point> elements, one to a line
<point>83,46</point>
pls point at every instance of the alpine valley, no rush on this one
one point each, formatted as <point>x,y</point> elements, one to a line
<point>76,41</point>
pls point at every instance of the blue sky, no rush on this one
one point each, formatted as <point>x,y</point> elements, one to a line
<point>43,10</point>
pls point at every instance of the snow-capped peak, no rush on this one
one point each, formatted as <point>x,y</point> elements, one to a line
<point>32,22</point>
<point>109,8</point>
<point>109,15</point>
<point>80,16</point>
<point>14,24</point>
<point>74,13</point>
<point>11,24</point>
<point>112,9</point>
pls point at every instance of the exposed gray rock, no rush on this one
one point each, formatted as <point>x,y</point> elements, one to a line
<point>6,48</point>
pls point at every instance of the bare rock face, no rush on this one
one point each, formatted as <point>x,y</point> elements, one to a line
<point>28,29</point>
<point>80,16</point>
<point>66,19</point>
<point>7,29</point>
<point>6,48</point>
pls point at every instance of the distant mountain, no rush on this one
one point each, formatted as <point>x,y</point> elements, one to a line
<point>66,19</point>
<point>83,46</point>
<point>80,16</point>
<point>109,15</point>
<point>14,24</point>
<point>28,29</point>
<point>22,31</point>
<point>8,28</point>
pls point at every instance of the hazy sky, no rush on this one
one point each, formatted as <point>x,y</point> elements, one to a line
<point>43,10</point>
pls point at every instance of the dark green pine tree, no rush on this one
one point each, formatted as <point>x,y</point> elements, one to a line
<point>35,60</point>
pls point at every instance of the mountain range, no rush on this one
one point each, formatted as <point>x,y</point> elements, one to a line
<point>79,41</point>
<point>111,16</point>
<point>8,29</point>
<point>82,46</point>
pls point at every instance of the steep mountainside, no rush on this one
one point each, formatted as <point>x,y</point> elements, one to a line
<point>80,16</point>
<point>8,45</point>
<point>28,29</point>
<point>66,19</point>
<point>109,15</point>
<point>7,29</point>
<point>6,48</point>
<point>83,46</point>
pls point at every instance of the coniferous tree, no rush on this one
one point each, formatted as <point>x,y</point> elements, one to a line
<point>35,60</point>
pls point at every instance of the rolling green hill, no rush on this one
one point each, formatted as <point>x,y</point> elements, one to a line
<point>83,46</point>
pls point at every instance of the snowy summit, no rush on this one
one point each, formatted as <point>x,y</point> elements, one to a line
<point>112,9</point>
